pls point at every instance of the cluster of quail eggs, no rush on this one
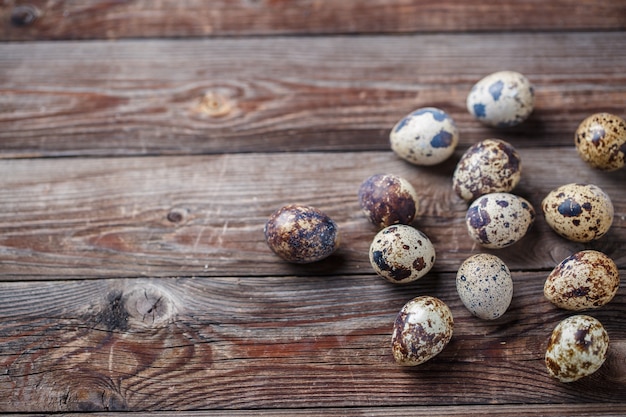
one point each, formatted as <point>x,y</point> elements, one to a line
<point>485,177</point>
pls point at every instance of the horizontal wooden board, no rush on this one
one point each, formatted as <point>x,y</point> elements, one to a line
<point>289,93</point>
<point>64,19</point>
<point>204,215</point>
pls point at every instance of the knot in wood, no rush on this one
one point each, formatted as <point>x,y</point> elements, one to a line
<point>149,306</point>
<point>215,104</point>
<point>24,15</point>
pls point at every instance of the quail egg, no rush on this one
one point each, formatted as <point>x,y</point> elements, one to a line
<point>578,212</point>
<point>498,220</point>
<point>577,348</point>
<point>501,99</point>
<point>428,136</point>
<point>585,280</point>
<point>421,330</point>
<point>301,234</point>
<point>484,285</point>
<point>489,166</point>
<point>601,141</point>
<point>388,199</point>
<point>401,254</point>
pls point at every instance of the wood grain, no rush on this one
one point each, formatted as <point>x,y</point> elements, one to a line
<point>63,19</point>
<point>289,94</point>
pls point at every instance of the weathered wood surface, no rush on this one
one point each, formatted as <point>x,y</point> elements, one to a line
<point>289,93</point>
<point>64,19</point>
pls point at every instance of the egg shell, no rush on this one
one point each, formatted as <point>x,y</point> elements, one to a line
<point>388,199</point>
<point>498,220</point>
<point>421,330</point>
<point>577,348</point>
<point>301,234</point>
<point>489,166</point>
<point>601,141</point>
<point>501,99</point>
<point>485,286</point>
<point>427,136</point>
<point>401,254</point>
<point>578,212</point>
<point>585,280</point>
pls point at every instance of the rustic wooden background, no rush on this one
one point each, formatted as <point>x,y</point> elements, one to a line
<point>144,144</point>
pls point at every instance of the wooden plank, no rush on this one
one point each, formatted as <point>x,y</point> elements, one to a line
<point>204,215</point>
<point>289,94</point>
<point>41,19</point>
<point>276,342</point>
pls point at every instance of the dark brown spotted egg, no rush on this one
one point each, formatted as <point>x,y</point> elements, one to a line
<point>401,254</point>
<point>301,234</point>
<point>388,199</point>
<point>489,166</point>
<point>601,141</point>
<point>498,220</point>
<point>421,330</point>
<point>578,212</point>
<point>577,348</point>
<point>585,280</point>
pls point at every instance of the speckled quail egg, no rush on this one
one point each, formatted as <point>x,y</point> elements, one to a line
<point>578,212</point>
<point>301,234</point>
<point>585,280</point>
<point>577,348</point>
<point>489,166</point>
<point>501,99</point>
<point>601,141</point>
<point>498,220</point>
<point>401,254</point>
<point>421,330</point>
<point>388,199</point>
<point>485,286</point>
<point>427,136</point>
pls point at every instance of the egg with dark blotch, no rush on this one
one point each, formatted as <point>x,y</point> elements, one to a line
<point>578,212</point>
<point>427,136</point>
<point>485,286</point>
<point>401,254</point>
<point>501,99</point>
<point>388,199</point>
<point>601,141</point>
<point>498,220</point>
<point>301,234</point>
<point>585,280</point>
<point>489,166</point>
<point>577,348</point>
<point>421,330</point>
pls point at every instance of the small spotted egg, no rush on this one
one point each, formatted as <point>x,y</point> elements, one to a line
<point>601,141</point>
<point>498,220</point>
<point>301,234</point>
<point>428,136</point>
<point>489,166</point>
<point>501,99</point>
<point>401,254</point>
<point>577,348</point>
<point>387,199</point>
<point>484,285</point>
<point>585,280</point>
<point>421,330</point>
<point>578,212</point>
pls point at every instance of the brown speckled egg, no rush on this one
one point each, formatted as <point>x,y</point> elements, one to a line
<point>489,166</point>
<point>485,286</point>
<point>421,330</point>
<point>498,220</point>
<point>601,141</point>
<point>388,199</point>
<point>401,254</point>
<point>585,280</point>
<point>577,348</point>
<point>301,234</point>
<point>578,212</point>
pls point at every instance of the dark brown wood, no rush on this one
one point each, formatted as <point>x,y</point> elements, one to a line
<point>39,19</point>
<point>289,94</point>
